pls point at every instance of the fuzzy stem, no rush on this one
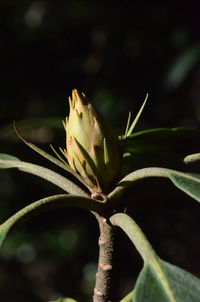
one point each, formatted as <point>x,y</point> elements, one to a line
<point>106,282</point>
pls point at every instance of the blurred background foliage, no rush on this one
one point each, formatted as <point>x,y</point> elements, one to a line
<point>115,52</point>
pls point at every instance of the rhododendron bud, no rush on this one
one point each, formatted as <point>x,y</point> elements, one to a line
<point>92,147</point>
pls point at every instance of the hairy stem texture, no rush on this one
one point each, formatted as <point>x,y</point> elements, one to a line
<point>106,278</point>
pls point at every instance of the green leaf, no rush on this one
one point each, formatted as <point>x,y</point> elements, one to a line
<point>48,156</point>
<point>187,182</point>
<point>149,288</point>
<point>192,158</point>
<point>158,281</point>
<point>162,139</point>
<point>129,131</point>
<point>161,146</point>
<point>30,124</point>
<point>129,297</point>
<point>47,174</point>
<point>45,204</point>
<point>4,156</point>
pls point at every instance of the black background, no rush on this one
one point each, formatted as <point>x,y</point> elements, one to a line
<point>115,52</point>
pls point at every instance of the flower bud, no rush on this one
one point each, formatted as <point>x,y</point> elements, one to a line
<point>92,147</point>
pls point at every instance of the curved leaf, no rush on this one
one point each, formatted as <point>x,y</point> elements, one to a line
<point>129,297</point>
<point>30,124</point>
<point>47,174</point>
<point>161,146</point>
<point>184,286</point>
<point>192,158</point>
<point>161,139</point>
<point>45,204</point>
<point>48,156</point>
<point>158,280</point>
<point>4,156</point>
<point>135,234</point>
<point>187,182</point>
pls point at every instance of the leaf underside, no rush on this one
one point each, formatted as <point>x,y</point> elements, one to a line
<point>185,286</point>
<point>158,281</point>
<point>8,161</point>
<point>46,204</point>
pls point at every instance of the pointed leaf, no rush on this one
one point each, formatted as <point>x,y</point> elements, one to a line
<point>129,297</point>
<point>30,124</point>
<point>162,139</point>
<point>132,127</point>
<point>149,288</point>
<point>187,182</point>
<point>45,204</point>
<point>4,156</point>
<point>48,156</point>
<point>158,280</point>
<point>158,146</point>
<point>51,176</point>
<point>192,158</point>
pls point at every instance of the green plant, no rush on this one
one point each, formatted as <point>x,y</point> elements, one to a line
<point>96,157</point>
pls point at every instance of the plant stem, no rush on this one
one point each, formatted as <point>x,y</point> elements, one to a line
<point>106,278</point>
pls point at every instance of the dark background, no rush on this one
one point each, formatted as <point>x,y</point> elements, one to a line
<point>115,52</point>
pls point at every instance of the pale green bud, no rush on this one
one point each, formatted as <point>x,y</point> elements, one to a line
<point>92,147</point>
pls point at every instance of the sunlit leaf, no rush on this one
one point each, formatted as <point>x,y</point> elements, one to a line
<point>128,298</point>
<point>30,124</point>
<point>187,182</point>
<point>47,174</point>
<point>192,158</point>
<point>129,130</point>
<point>48,156</point>
<point>7,157</point>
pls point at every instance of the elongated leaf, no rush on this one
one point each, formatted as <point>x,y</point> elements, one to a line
<point>48,156</point>
<point>149,288</point>
<point>47,174</point>
<point>160,146</point>
<point>192,158</point>
<point>187,182</point>
<point>128,297</point>
<point>158,281</point>
<point>7,157</point>
<point>30,124</point>
<point>132,127</point>
<point>45,204</point>
<point>162,139</point>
